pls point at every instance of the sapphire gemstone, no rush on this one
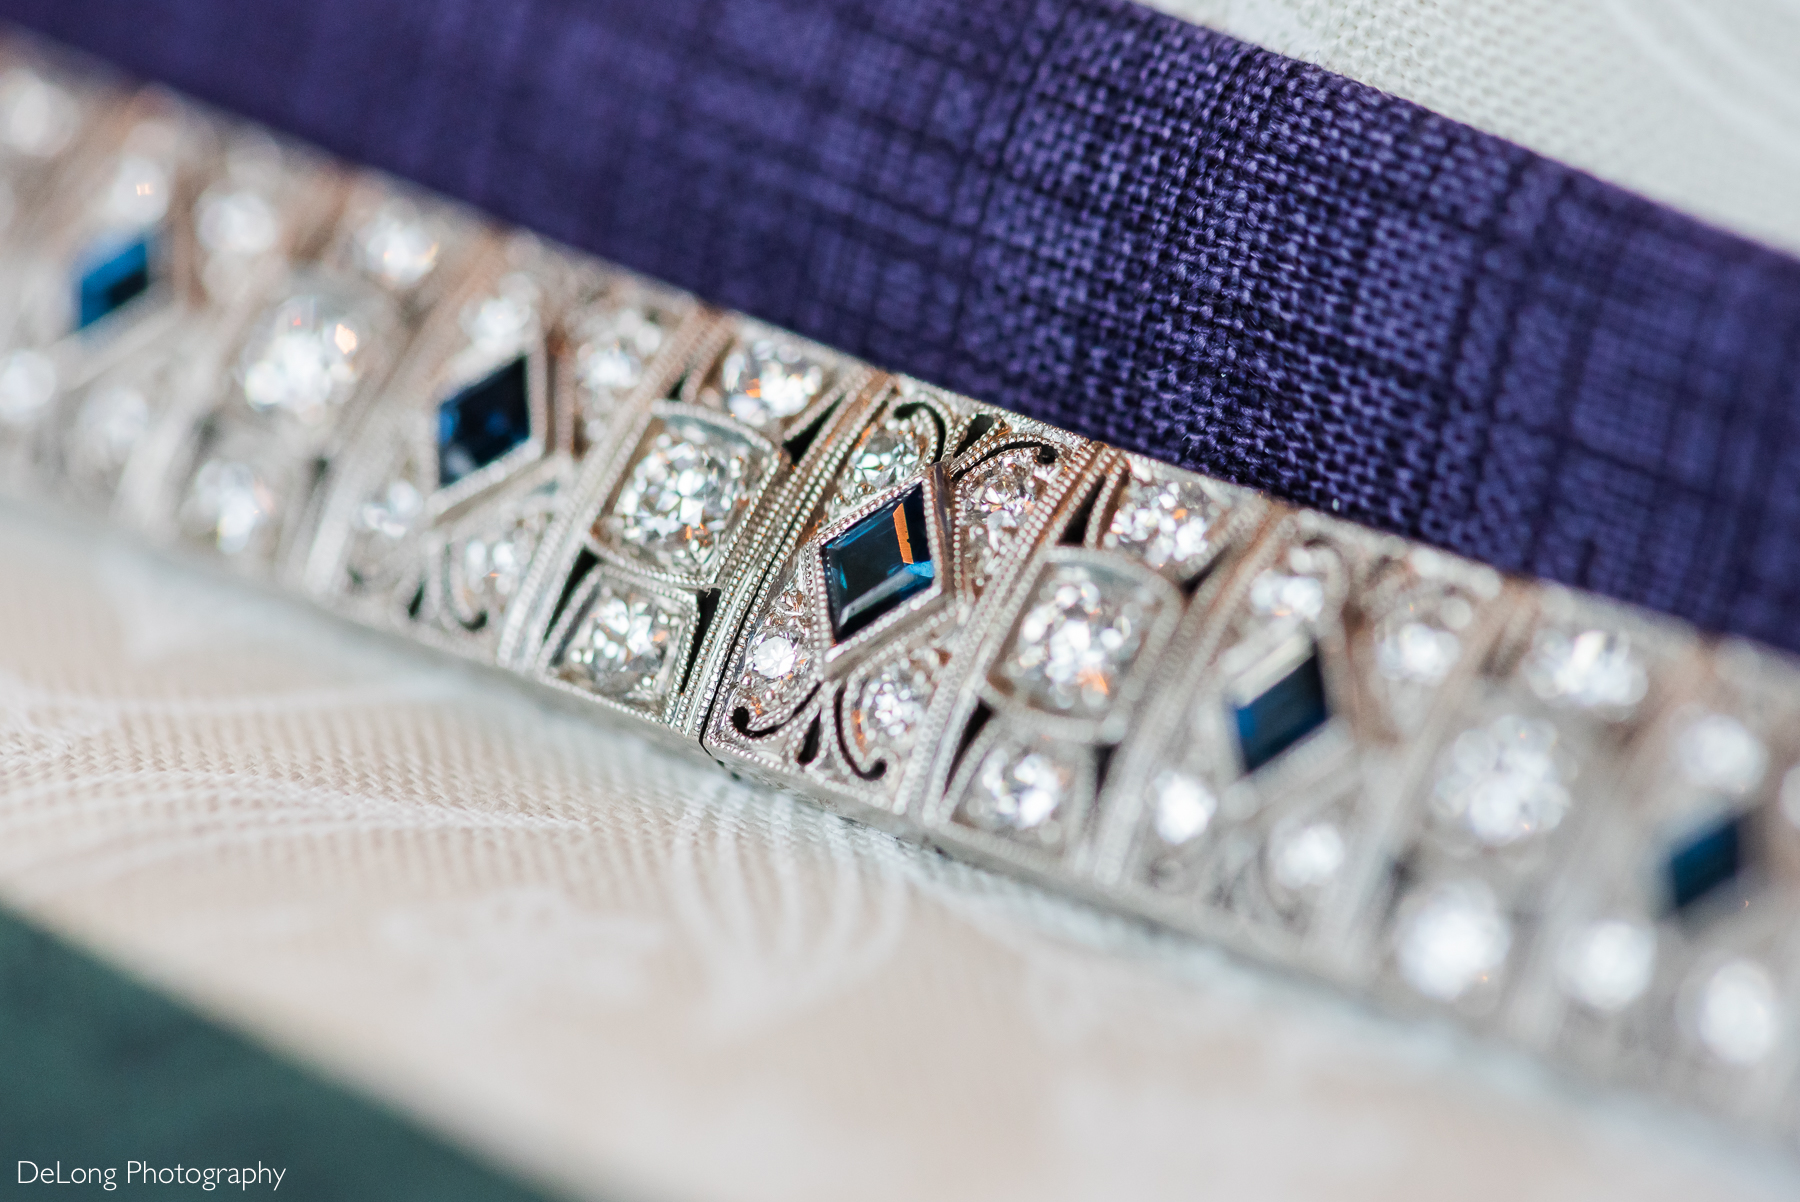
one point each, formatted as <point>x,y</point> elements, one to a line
<point>112,276</point>
<point>1282,714</point>
<point>483,422</point>
<point>1709,858</point>
<point>874,566</point>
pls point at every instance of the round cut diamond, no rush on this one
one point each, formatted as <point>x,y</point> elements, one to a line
<point>229,503</point>
<point>486,570</point>
<point>398,245</point>
<point>1739,1013</point>
<point>502,320</point>
<point>1076,641</point>
<point>391,512</point>
<point>1278,595</point>
<point>1452,938</point>
<point>778,658</point>
<point>614,343</point>
<point>1308,856</point>
<point>305,356</point>
<point>885,455</point>
<point>1165,523</point>
<point>111,421</point>
<point>27,382</point>
<point>767,379</point>
<point>1716,752</point>
<point>1183,808</point>
<point>1418,652</point>
<point>139,192</point>
<point>995,498</point>
<point>684,496</point>
<point>892,703</point>
<point>1022,790</point>
<point>1504,781</point>
<point>1606,965</point>
<point>621,647</point>
<point>37,118</point>
<point>236,221</point>
<point>1595,669</point>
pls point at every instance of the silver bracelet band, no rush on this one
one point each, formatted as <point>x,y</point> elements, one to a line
<point>1551,818</point>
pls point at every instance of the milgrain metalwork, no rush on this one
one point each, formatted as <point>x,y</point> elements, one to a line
<point>1545,817</point>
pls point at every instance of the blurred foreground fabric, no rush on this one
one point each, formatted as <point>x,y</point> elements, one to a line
<point>633,977</point>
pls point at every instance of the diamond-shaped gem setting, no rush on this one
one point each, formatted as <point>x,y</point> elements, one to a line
<point>879,563</point>
<point>480,423</point>
<point>111,276</point>
<point>1284,703</point>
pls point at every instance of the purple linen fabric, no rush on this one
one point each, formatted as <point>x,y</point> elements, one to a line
<point>1103,217</point>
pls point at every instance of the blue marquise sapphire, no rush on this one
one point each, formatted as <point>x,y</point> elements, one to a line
<point>1705,861</point>
<point>484,421</point>
<point>1282,714</point>
<point>110,277</point>
<point>873,567</point>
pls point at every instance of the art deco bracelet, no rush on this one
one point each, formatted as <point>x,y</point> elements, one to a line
<point>1570,825</point>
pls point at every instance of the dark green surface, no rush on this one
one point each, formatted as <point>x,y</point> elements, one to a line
<point>96,1069</point>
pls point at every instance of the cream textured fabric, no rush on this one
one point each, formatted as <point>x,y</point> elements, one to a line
<point>624,972</point>
<point>1693,102</point>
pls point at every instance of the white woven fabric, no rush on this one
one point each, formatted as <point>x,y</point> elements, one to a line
<point>625,973</point>
<point>1695,103</point>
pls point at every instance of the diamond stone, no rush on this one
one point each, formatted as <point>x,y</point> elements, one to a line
<point>1307,857</point>
<point>1716,752</point>
<point>1452,938</point>
<point>1164,523</point>
<point>1739,1013</point>
<point>685,495</point>
<point>1607,965</point>
<point>1183,808</point>
<point>109,425</point>
<point>1077,641</point>
<point>1277,595</point>
<point>613,346</point>
<point>996,497</point>
<point>768,379</point>
<point>138,195</point>
<point>37,118</point>
<point>397,245</point>
<point>486,570</point>
<point>27,383</point>
<point>778,658</point>
<point>306,355</point>
<point>236,221</point>
<point>1418,652</point>
<point>621,648</point>
<point>1504,781</point>
<point>230,504</point>
<point>1595,669</point>
<point>892,703</point>
<point>885,455</point>
<point>1023,789</point>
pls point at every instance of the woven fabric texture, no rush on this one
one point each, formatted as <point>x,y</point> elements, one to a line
<point>633,977</point>
<point>1119,222</point>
